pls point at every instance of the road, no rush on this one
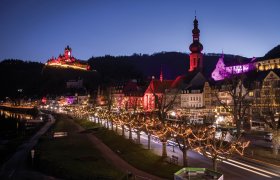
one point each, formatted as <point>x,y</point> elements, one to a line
<point>16,167</point>
<point>239,168</point>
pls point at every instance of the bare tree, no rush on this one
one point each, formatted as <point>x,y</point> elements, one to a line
<point>216,148</point>
<point>162,130</point>
<point>183,133</point>
<point>165,99</point>
<point>148,123</point>
<point>106,99</point>
<point>238,105</point>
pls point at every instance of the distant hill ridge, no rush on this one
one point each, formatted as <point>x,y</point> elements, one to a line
<point>172,64</point>
<point>17,74</point>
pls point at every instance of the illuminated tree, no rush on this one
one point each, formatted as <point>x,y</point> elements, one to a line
<point>138,125</point>
<point>188,137</point>
<point>128,121</point>
<point>122,121</point>
<point>236,102</point>
<point>165,98</point>
<point>182,133</point>
<point>161,130</point>
<point>148,124</point>
<point>216,148</point>
<point>117,120</point>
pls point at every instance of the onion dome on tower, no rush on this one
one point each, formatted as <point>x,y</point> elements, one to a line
<point>196,47</point>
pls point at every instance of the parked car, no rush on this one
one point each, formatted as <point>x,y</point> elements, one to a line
<point>268,137</point>
<point>231,130</point>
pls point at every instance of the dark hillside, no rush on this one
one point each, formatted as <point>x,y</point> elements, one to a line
<point>17,74</point>
<point>54,80</point>
<point>273,53</point>
<point>35,80</point>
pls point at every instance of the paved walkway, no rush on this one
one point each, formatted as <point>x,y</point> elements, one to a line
<point>16,168</point>
<point>117,161</point>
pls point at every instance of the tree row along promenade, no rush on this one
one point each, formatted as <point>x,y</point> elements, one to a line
<point>199,138</point>
<point>125,133</point>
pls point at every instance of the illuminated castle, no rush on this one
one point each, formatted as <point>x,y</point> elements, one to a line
<point>67,61</point>
<point>225,68</point>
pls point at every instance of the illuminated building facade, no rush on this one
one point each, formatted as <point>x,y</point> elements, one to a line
<point>192,89</point>
<point>268,64</point>
<point>157,88</point>
<point>224,70</point>
<point>267,90</point>
<point>128,95</point>
<point>67,61</point>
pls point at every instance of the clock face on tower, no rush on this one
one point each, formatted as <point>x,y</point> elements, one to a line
<point>69,53</point>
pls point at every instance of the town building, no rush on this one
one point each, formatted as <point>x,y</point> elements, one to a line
<point>157,89</point>
<point>266,97</point>
<point>198,98</point>
<point>128,95</point>
<point>225,68</point>
<point>268,64</point>
<point>192,88</point>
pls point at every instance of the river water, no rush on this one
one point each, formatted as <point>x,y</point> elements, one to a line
<point>13,124</point>
<point>15,129</point>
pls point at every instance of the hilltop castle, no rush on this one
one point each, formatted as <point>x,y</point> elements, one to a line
<point>67,61</point>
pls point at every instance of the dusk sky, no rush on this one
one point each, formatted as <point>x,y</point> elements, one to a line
<point>36,30</point>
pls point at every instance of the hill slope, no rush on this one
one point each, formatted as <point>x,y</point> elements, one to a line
<point>35,80</point>
<point>273,53</point>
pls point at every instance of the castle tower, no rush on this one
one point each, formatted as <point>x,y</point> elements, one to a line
<point>67,52</point>
<point>196,57</point>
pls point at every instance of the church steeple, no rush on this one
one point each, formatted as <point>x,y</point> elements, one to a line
<point>196,57</point>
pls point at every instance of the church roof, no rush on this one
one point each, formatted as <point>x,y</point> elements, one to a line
<point>132,88</point>
<point>157,86</point>
<point>194,78</point>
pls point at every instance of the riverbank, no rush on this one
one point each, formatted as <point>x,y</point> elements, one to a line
<point>17,167</point>
<point>72,155</point>
<point>15,128</point>
<point>21,109</point>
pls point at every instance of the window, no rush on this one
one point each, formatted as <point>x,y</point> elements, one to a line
<point>251,93</point>
<point>266,83</point>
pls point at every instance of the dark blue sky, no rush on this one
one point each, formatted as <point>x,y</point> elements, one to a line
<point>39,29</point>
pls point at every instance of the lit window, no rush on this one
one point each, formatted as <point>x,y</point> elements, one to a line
<point>251,93</point>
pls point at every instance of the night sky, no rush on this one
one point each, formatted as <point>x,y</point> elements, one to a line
<point>39,29</point>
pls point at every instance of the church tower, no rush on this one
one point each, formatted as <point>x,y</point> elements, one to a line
<point>196,57</point>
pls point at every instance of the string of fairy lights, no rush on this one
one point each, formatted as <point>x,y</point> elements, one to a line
<point>200,138</point>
